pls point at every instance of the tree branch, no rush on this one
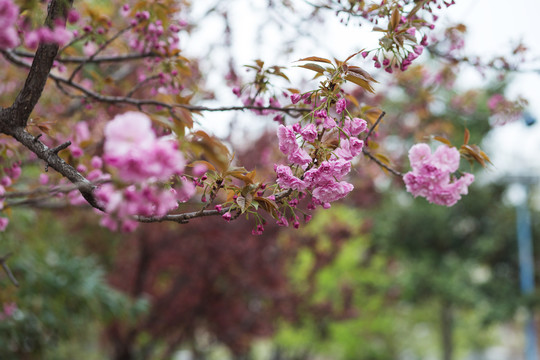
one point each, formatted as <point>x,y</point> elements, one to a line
<point>95,60</point>
<point>51,158</point>
<point>39,71</point>
<point>139,103</point>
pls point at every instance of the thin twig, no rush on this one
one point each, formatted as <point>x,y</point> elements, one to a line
<point>47,190</point>
<point>380,163</point>
<point>100,49</point>
<point>8,272</point>
<point>141,84</point>
<point>374,125</point>
<point>60,147</point>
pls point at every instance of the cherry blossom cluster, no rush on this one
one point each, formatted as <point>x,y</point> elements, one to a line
<point>315,167</point>
<point>398,60</point>
<point>398,55</point>
<point>8,17</point>
<point>11,27</point>
<point>432,175</point>
<point>59,34</point>
<point>147,165</point>
<point>151,36</point>
<point>400,45</point>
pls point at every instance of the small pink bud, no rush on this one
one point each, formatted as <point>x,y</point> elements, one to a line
<point>227,216</point>
<point>73,16</point>
<point>295,98</point>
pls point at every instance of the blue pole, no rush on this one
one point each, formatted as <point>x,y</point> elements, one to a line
<point>526,270</point>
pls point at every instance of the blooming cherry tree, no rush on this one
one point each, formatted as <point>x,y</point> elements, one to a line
<point>122,139</point>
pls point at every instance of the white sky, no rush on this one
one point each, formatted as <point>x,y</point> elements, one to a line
<point>495,26</point>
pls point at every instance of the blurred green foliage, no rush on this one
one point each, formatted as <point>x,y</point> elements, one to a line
<point>63,300</point>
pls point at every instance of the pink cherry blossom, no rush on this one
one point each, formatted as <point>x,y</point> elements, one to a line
<point>432,177</point>
<point>299,157</point>
<point>332,191</point>
<point>447,158</point>
<point>287,139</point>
<point>8,16</point>
<point>329,123</point>
<point>286,179</point>
<point>127,132</point>
<point>341,105</point>
<point>309,133</point>
<point>8,38</point>
<point>355,127</point>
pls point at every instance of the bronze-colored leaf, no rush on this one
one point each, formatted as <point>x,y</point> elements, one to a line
<point>268,205</point>
<point>211,148</point>
<point>383,158</point>
<point>466,137</point>
<point>470,153</point>
<point>351,56</point>
<point>362,73</point>
<point>316,58</point>
<point>415,9</point>
<point>394,20</point>
<point>442,140</point>
<point>352,99</point>
<point>485,157</point>
<point>360,82</point>
<point>247,178</point>
<point>313,67</point>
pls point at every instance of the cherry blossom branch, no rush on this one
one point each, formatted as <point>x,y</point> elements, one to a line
<point>139,103</point>
<point>51,158</point>
<point>95,60</point>
<point>13,120</point>
<point>185,217</point>
<point>182,218</point>
<point>7,270</point>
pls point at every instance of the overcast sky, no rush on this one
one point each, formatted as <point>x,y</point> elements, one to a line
<point>495,26</point>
